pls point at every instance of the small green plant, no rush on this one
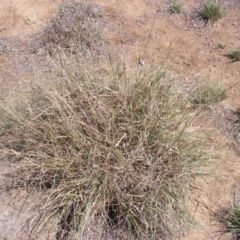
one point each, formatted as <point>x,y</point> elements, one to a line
<point>207,94</point>
<point>175,7</point>
<point>234,55</point>
<point>212,11</point>
<point>222,45</point>
<point>230,218</point>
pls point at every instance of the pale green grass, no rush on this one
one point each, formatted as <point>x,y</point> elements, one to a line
<point>175,7</point>
<point>207,94</point>
<point>212,11</point>
<point>234,55</point>
<point>230,218</point>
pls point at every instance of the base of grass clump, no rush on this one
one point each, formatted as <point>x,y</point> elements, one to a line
<point>212,11</point>
<point>230,219</point>
<point>105,146</point>
<point>175,7</point>
<point>234,55</point>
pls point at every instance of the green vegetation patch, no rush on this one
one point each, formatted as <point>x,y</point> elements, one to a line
<point>234,55</point>
<point>212,11</point>
<point>207,94</point>
<point>175,7</point>
<point>230,218</point>
<point>222,45</point>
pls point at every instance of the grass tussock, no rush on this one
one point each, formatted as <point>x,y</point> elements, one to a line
<point>77,28</point>
<point>111,146</point>
<point>207,94</point>
<point>212,11</point>
<point>234,55</point>
<point>230,219</point>
<point>175,7</point>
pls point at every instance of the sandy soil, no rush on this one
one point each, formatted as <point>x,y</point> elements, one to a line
<point>144,29</point>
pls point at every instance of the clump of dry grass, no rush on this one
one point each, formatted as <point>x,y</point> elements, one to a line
<point>77,28</point>
<point>110,146</point>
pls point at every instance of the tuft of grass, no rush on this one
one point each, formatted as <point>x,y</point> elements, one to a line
<point>234,55</point>
<point>212,11</point>
<point>222,45</point>
<point>175,7</point>
<point>207,94</point>
<point>112,147</point>
<point>77,29</point>
<point>230,218</point>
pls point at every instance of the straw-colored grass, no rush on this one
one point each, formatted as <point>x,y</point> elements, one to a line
<point>76,28</point>
<point>107,148</point>
<point>107,145</point>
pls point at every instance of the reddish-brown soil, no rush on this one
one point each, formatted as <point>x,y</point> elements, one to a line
<point>144,30</point>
